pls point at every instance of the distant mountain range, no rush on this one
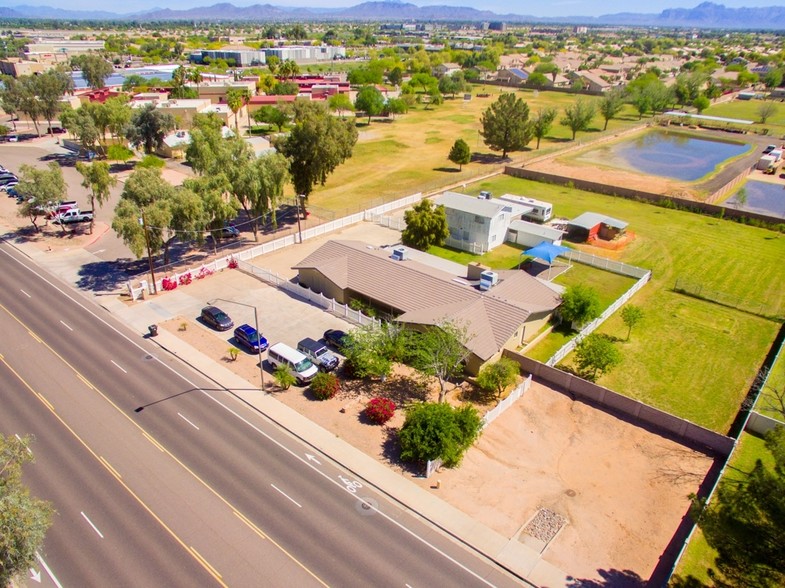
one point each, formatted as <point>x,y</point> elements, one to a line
<point>705,15</point>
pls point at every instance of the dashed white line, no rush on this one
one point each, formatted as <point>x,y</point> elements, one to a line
<point>118,366</point>
<point>48,571</point>
<point>20,439</point>
<point>25,293</point>
<point>287,496</point>
<point>93,526</point>
<point>187,421</point>
<point>66,326</point>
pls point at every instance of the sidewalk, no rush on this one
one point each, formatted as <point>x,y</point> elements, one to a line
<point>511,554</point>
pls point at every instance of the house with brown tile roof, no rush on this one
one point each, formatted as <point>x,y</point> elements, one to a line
<point>422,295</point>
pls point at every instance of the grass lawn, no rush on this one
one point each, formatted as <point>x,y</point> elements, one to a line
<point>503,257</point>
<point>689,357</point>
<point>396,158</point>
<point>748,110</point>
<point>776,382</point>
<point>699,556</point>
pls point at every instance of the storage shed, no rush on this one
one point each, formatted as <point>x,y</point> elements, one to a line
<point>592,225</point>
<point>529,234</point>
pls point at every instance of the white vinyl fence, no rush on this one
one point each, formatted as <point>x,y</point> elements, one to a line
<point>497,410</point>
<point>588,329</point>
<point>222,262</point>
<point>319,299</point>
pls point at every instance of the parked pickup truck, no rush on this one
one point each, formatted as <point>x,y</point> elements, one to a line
<point>73,215</point>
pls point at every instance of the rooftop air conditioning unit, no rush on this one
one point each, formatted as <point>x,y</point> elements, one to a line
<point>399,254</point>
<point>488,279</point>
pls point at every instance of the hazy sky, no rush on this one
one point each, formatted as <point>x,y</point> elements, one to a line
<point>528,7</point>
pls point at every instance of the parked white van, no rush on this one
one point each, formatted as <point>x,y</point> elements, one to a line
<point>297,364</point>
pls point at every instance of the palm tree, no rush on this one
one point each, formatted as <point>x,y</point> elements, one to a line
<point>195,75</point>
<point>236,98</point>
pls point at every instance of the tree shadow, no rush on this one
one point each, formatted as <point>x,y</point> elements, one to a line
<point>491,158</point>
<point>391,454</point>
<point>451,170</point>
<point>610,579</point>
<point>102,276</point>
<point>62,159</point>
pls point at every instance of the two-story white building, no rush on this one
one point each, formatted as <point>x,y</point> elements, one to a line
<point>478,224</point>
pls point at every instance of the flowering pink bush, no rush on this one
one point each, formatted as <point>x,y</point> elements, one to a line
<point>185,279</point>
<point>380,410</point>
<point>168,283</point>
<point>232,263</point>
<point>204,272</point>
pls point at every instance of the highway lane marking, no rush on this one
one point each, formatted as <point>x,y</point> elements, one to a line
<point>187,421</point>
<point>153,441</point>
<point>253,527</point>
<point>206,564</point>
<point>92,525</point>
<point>47,570</point>
<point>287,496</point>
<point>118,366</point>
<point>113,471</point>
<point>66,326</point>
<point>238,416</point>
<point>85,381</point>
<point>20,440</point>
<point>36,337</point>
<point>25,293</point>
<point>127,488</point>
<point>327,477</point>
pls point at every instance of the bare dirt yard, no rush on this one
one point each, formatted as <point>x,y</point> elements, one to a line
<point>616,492</point>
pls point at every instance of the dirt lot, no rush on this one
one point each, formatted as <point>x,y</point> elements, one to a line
<point>621,489</point>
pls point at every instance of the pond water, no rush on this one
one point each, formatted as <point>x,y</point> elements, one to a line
<point>663,153</point>
<point>117,77</point>
<point>762,197</point>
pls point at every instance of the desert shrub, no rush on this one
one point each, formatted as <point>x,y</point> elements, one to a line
<point>380,410</point>
<point>324,386</point>
<point>435,430</point>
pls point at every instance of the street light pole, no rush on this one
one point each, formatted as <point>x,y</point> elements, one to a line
<point>299,228</point>
<point>149,253</point>
<point>258,332</point>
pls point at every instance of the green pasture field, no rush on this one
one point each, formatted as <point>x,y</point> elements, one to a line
<point>400,157</point>
<point>775,382</point>
<point>699,556</point>
<point>690,357</point>
<point>748,110</point>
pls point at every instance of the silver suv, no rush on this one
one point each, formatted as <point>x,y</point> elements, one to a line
<point>318,353</point>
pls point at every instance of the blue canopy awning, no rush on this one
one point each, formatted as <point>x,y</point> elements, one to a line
<point>546,251</point>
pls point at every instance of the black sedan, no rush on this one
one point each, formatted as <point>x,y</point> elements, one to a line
<point>335,337</point>
<point>216,318</point>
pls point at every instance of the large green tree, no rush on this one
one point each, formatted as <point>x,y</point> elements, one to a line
<point>426,225</point>
<point>50,87</point>
<point>435,430</point>
<point>340,103</point>
<point>236,98</point>
<point>370,101</point>
<point>97,179</point>
<point>95,69</point>
<point>24,519</point>
<point>439,352</point>
<point>316,145</point>
<point>149,126</point>
<point>596,355</point>
<point>745,523</point>
<point>274,115</point>
<point>460,153</point>
<point>498,376</point>
<point>580,304</point>
<point>43,188</point>
<point>142,217</point>
<point>505,124</point>
<point>611,104</point>
<point>541,123</point>
<point>578,116</point>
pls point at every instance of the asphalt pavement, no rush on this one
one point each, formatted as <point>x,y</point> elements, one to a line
<point>510,554</point>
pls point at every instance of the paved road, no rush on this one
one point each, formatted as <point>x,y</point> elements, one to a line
<point>335,529</point>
